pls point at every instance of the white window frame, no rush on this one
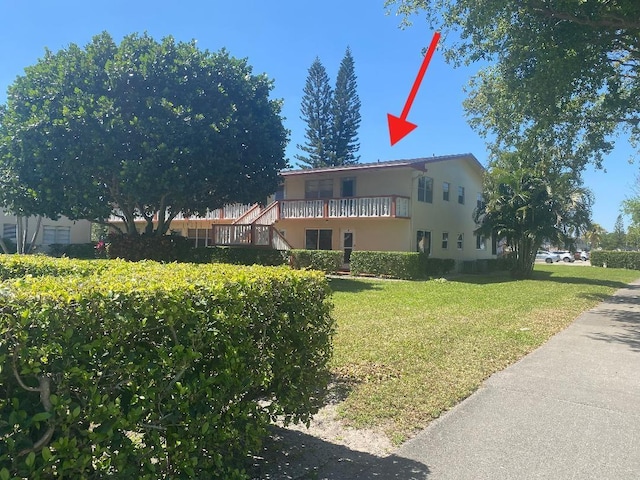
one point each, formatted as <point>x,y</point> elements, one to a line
<point>460,241</point>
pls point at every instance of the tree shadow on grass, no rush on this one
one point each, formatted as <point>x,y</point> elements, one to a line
<point>505,277</point>
<point>291,454</point>
<point>352,285</point>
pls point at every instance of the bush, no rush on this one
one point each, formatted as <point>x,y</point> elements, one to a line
<point>161,248</point>
<point>80,250</point>
<point>239,256</point>
<point>328,261</point>
<point>16,266</point>
<point>154,371</point>
<point>615,259</point>
<point>437,267</point>
<point>405,265</point>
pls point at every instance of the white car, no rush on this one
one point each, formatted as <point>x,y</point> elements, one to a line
<point>548,257</point>
<point>565,256</point>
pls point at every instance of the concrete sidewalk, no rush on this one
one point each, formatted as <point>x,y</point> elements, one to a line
<point>569,410</point>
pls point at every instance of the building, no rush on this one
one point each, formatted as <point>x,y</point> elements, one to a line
<point>423,204</point>
<point>62,231</point>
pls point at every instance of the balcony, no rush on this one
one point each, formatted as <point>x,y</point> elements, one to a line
<point>391,206</point>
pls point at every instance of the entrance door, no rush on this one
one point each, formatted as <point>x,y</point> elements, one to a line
<point>347,245</point>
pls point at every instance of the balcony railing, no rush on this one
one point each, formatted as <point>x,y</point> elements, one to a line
<point>249,235</point>
<point>392,206</point>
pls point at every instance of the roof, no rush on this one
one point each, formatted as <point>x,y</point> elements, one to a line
<point>419,163</point>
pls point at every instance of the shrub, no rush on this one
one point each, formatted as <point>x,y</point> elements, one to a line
<point>161,248</point>
<point>405,265</point>
<point>436,267</point>
<point>239,256</point>
<point>16,266</point>
<point>615,259</point>
<point>328,261</point>
<point>80,250</point>
<point>154,371</point>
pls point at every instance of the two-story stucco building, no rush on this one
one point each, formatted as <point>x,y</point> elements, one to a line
<point>405,205</point>
<point>62,231</point>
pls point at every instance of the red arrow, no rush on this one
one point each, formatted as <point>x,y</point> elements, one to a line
<point>398,126</point>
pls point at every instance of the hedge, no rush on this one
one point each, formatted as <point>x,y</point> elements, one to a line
<point>615,259</point>
<point>405,265</point>
<point>154,371</point>
<point>328,261</point>
<point>79,250</point>
<point>162,248</point>
<point>238,256</point>
<point>16,266</point>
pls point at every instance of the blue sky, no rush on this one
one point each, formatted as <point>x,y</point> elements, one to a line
<point>282,38</point>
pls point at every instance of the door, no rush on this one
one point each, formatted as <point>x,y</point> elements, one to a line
<point>347,246</point>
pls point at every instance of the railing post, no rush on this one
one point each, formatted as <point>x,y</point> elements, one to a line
<point>325,209</point>
<point>393,206</point>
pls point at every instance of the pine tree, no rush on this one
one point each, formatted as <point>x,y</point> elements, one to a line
<point>316,112</point>
<point>345,109</point>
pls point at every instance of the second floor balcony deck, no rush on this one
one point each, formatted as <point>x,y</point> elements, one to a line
<point>390,206</point>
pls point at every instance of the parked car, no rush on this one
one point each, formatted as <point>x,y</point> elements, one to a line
<point>581,255</point>
<point>565,256</point>
<point>547,256</point>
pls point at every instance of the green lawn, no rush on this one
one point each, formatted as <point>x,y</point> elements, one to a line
<point>407,351</point>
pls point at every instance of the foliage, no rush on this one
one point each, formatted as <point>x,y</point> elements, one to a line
<point>156,371</point>
<point>16,266</point>
<point>529,201</point>
<point>615,259</point>
<point>167,248</point>
<point>616,240</point>
<point>410,351</point>
<point>238,256</point>
<point>563,75</point>
<point>316,113</point>
<point>328,261</point>
<point>138,129</point>
<point>74,250</point>
<point>332,117</point>
<point>345,113</point>
<point>405,265</point>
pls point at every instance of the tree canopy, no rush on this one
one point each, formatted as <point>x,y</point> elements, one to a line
<point>561,73</point>
<point>138,129</point>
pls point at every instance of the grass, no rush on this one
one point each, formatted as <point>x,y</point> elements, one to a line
<point>410,350</point>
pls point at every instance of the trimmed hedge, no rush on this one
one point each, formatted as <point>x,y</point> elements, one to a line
<point>154,371</point>
<point>328,261</point>
<point>615,259</point>
<point>163,248</point>
<point>16,266</point>
<point>80,250</point>
<point>238,256</point>
<point>404,265</point>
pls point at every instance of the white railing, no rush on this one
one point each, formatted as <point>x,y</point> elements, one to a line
<point>361,207</point>
<point>268,216</point>
<point>250,215</point>
<point>302,209</point>
<point>257,235</point>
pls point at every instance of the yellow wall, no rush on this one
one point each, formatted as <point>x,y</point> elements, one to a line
<point>80,230</point>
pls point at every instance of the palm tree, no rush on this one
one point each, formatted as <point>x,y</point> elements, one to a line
<point>528,202</point>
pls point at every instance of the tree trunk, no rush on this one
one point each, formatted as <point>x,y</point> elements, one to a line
<point>34,237</point>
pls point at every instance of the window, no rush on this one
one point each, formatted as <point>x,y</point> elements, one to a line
<point>445,240</point>
<point>348,187</point>
<point>199,236</point>
<point>423,241</point>
<point>318,188</point>
<point>480,242</point>
<point>460,241</point>
<point>480,201</point>
<point>61,235</point>
<point>425,189</point>
<point>461,195</point>
<point>318,239</point>
<point>9,231</point>
<point>445,191</point>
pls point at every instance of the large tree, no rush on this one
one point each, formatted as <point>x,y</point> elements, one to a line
<point>563,73</point>
<point>528,201</point>
<point>139,129</point>
<point>345,114</point>
<point>317,115</point>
